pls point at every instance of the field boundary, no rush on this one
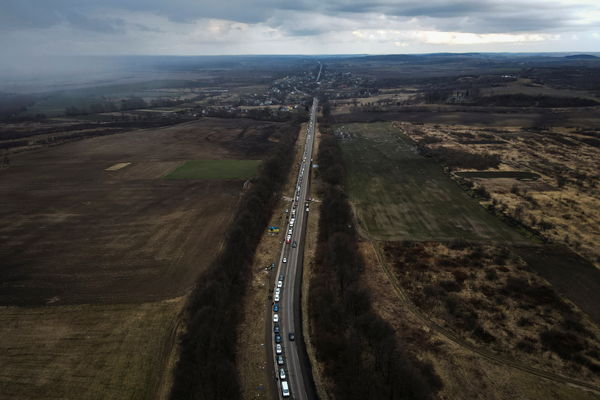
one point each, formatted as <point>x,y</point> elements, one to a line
<point>451,336</point>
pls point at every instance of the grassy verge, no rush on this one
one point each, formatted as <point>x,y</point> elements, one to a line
<point>216,169</point>
<point>207,364</point>
<point>254,365</point>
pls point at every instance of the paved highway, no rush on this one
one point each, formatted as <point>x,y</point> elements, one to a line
<point>297,370</point>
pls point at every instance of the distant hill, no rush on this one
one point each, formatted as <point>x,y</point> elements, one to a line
<point>581,57</point>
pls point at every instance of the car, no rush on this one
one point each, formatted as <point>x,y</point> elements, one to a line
<point>307,209</point>
<point>277,338</point>
<point>291,336</point>
<point>290,231</point>
<point>279,284</point>
<point>297,198</point>
<point>276,297</point>
<point>276,328</point>
<point>275,317</point>
<point>276,307</point>
<point>294,244</point>
<point>285,389</point>
<point>281,276</point>
<point>278,349</point>
<point>281,373</point>
<point>284,259</point>
<point>280,360</point>
<point>288,239</point>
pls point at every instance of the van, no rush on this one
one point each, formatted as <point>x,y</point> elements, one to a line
<point>285,389</point>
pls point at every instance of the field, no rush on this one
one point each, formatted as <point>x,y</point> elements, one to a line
<point>86,351</point>
<point>398,194</point>
<point>90,232</point>
<point>465,375</point>
<point>492,298</point>
<point>215,169</point>
<point>470,284</point>
<point>562,202</point>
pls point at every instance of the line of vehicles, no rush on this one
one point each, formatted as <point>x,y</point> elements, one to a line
<point>282,375</point>
<point>285,389</point>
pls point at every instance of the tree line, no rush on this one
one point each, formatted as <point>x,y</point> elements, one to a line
<point>360,353</point>
<point>206,368</point>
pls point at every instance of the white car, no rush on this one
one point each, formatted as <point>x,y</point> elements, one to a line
<point>285,388</point>
<point>281,373</point>
<point>275,317</point>
<point>279,284</point>
<point>276,297</point>
<point>284,259</point>
<point>278,349</point>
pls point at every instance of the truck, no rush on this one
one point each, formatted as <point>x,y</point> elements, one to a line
<point>285,389</point>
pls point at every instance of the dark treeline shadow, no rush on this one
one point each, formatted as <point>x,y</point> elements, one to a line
<point>362,358</point>
<point>206,368</point>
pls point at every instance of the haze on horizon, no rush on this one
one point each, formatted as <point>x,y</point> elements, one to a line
<point>32,32</point>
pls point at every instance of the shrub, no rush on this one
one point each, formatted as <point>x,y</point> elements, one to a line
<point>456,158</point>
<point>526,345</point>
<point>565,344</point>
<point>450,286</point>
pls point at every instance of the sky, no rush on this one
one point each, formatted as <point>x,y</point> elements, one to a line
<point>208,27</point>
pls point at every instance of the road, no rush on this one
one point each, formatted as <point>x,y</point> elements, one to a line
<point>296,366</point>
<point>320,69</point>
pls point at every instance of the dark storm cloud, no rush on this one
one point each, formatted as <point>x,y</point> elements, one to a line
<point>413,8</point>
<point>105,25</point>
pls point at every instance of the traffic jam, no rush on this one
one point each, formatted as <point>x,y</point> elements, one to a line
<point>291,241</point>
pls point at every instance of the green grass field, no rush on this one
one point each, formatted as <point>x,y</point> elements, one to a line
<point>215,169</point>
<point>400,195</point>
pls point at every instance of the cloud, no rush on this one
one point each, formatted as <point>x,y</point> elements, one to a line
<point>292,26</point>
